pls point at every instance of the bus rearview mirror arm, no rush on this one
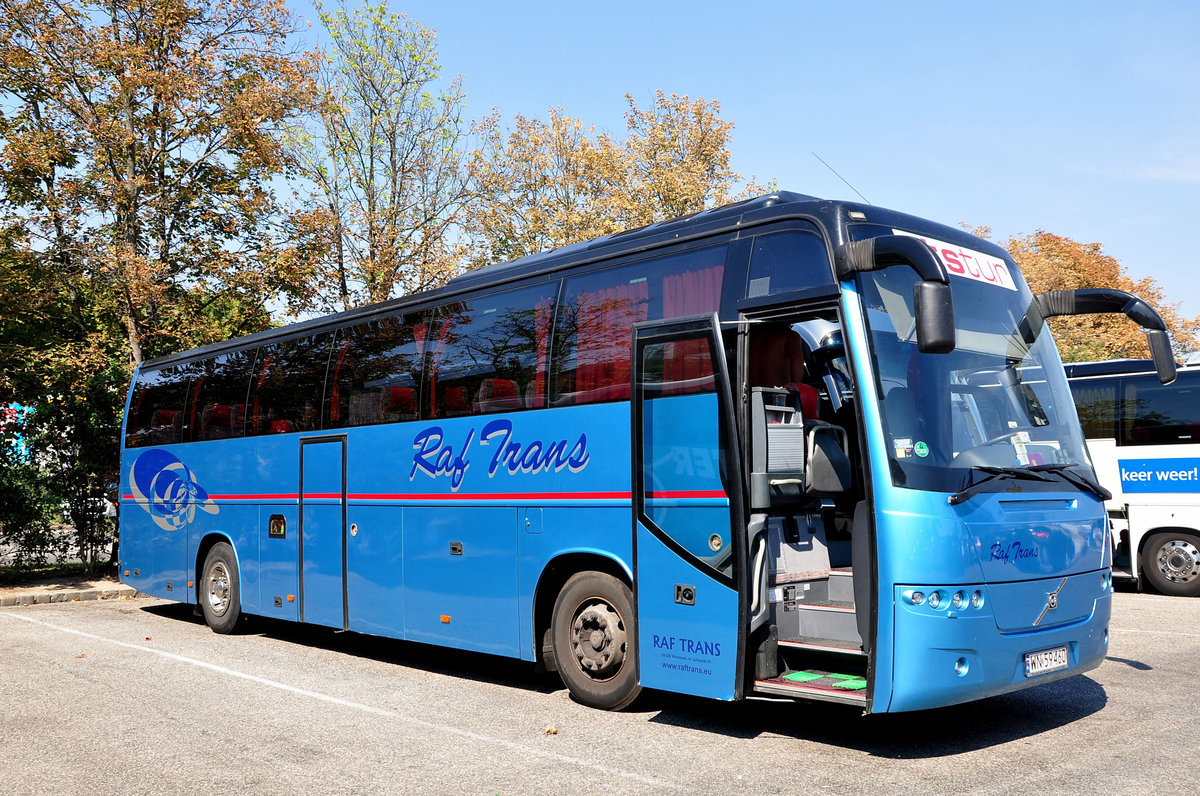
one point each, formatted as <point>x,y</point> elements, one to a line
<point>1094,301</point>
<point>933,302</point>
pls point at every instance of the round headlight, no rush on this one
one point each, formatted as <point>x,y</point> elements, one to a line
<point>935,599</point>
<point>977,600</point>
<point>960,601</point>
<point>918,597</point>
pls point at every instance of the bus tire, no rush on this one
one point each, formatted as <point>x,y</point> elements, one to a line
<point>1171,562</point>
<point>220,589</point>
<point>593,642</point>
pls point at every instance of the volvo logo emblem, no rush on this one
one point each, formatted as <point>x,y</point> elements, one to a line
<point>1051,603</point>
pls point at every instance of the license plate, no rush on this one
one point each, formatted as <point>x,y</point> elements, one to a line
<point>1050,660</point>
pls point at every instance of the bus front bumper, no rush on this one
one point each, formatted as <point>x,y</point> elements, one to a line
<point>945,654</point>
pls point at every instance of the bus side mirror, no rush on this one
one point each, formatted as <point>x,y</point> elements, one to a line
<point>934,304</point>
<point>1095,301</point>
<point>1160,352</point>
<point>933,301</point>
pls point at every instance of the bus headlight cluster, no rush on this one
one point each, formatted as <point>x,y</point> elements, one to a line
<point>937,599</point>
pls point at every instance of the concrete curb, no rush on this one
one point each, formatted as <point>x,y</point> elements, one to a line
<point>67,596</point>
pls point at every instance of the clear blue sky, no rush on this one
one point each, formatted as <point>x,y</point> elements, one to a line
<point>1079,118</point>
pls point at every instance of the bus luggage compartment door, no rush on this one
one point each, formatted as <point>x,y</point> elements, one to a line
<point>688,527</point>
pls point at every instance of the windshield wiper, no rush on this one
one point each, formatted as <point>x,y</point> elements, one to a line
<point>1078,480</point>
<point>991,475</point>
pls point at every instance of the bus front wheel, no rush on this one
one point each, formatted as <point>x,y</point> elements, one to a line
<point>1171,562</point>
<point>220,589</point>
<point>593,642</point>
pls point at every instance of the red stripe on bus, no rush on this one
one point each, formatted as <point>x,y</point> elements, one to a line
<point>292,496</point>
<point>674,495</point>
<point>498,496</point>
<point>696,493</point>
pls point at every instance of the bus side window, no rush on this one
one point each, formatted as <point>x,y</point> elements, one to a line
<point>289,378</point>
<point>374,372</point>
<point>491,354</point>
<point>157,409</point>
<point>1096,403</point>
<point>1157,414</point>
<point>594,324</point>
<point>788,260</point>
<point>218,406</point>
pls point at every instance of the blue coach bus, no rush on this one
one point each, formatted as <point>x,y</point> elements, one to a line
<point>742,452</point>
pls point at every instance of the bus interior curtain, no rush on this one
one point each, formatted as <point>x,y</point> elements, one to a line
<point>542,315</point>
<point>335,399</point>
<point>689,293</point>
<point>606,319</point>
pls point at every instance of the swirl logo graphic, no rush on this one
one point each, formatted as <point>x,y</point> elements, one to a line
<point>167,489</point>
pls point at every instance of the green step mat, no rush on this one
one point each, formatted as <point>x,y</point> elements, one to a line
<point>849,682</point>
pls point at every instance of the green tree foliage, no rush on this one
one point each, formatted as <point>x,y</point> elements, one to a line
<point>386,158</point>
<point>137,216</point>
<point>29,505</point>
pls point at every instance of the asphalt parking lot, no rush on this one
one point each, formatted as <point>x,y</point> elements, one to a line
<point>138,696</point>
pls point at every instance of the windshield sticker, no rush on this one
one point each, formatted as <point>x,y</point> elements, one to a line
<point>1019,442</point>
<point>968,263</point>
<point>921,449</point>
<point>903,446</point>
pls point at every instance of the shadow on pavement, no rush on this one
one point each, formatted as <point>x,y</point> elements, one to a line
<point>926,734</point>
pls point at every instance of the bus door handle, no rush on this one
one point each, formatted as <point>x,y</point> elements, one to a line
<point>756,573</point>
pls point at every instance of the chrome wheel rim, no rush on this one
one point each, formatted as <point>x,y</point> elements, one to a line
<point>1179,561</point>
<point>218,589</point>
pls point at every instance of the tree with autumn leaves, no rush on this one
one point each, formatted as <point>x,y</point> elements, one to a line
<point>541,184</point>
<point>137,210</point>
<point>1054,262</point>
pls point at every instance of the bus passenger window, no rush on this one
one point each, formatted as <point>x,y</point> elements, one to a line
<point>374,373</point>
<point>490,354</point>
<point>1096,403</point>
<point>156,411</point>
<point>1160,414</point>
<point>218,406</point>
<point>285,393</point>
<point>594,324</point>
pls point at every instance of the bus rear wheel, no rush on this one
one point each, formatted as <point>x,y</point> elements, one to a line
<point>1171,562</point>
<point>593,642</point>
<point>220,589</point>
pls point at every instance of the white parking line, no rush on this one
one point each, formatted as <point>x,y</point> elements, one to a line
<point>391,714</point>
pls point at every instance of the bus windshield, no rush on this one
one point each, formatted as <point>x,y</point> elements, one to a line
<point>987,407</point>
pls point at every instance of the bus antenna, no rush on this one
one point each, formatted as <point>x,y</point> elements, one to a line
<point>840,177</point>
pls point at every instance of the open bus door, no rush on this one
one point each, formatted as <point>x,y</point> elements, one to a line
<point>689,526</point>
